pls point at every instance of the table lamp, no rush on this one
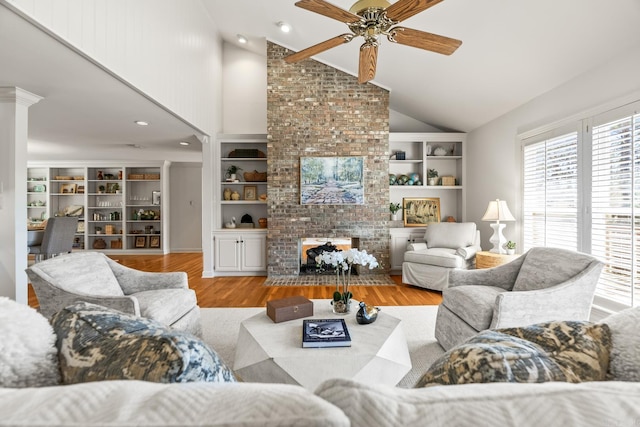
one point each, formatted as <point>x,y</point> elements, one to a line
<point>498,211</point>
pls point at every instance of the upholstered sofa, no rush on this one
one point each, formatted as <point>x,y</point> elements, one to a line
<point>447,246</point>
<point>336,402</point>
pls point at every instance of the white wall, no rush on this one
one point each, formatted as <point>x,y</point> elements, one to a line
<point>244,91</point>
<point>493,170</point>
<point>186,207</point>
<point>168,49</point>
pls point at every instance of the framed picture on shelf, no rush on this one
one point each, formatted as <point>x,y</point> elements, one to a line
<point>154,241</point>
<point>250,192</point>
<point>420,211</point>
<point>331,180</point>
<point>68,188</point>
<point>155,197</point>
<point>141,241</point>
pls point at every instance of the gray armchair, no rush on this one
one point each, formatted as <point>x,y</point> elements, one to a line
<point>543,284</point>
<point>447,246</point>
<point>95,278</point>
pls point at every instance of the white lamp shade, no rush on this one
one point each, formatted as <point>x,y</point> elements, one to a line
<point>498,211</point>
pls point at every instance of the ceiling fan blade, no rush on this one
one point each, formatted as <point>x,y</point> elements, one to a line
<point>327,9</point>
<point>368,59</point>
<point>404,9</point>
<point>318,48</point>
<point>424,40</point>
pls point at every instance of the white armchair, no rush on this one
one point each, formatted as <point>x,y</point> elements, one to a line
<point>447,246</point>
<point>93,277</point>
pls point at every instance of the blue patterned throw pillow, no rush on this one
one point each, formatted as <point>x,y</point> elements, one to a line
<point>97,343</point>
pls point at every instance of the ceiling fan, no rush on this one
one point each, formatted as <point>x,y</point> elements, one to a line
<point>371,19</point>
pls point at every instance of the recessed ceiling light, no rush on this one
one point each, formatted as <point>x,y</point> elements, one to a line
<point>284,27</point>
<point>185,143</point>
<point>242,39</point>
<point>141,123</point>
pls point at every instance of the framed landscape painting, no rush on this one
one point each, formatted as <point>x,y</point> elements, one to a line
<point>420,211</point>
<point>332,180</point>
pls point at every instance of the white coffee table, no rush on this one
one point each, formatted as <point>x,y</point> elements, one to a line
<point>272,352</point>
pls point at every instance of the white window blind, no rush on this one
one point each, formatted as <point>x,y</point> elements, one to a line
<point>550,196</point>
<point>615,206</point>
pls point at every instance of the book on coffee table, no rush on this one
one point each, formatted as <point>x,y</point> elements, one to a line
<point>325,333</point>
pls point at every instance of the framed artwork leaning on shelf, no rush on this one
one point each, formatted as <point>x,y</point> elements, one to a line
<point>68,188</point>
<point>141,241</point>
<point>250,192</point>
<point>154,241</point>
<point>420,211</point>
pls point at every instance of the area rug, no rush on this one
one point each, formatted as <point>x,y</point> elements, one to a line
<point>330,279</point>
<point>221,327</point>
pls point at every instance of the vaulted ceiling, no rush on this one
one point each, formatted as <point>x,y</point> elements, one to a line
<point>512,51</point>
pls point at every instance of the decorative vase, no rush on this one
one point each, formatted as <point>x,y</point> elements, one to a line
<point>227,194</point>
<point>341,307</point>
<point>511,251</point>
<point>433,181</point>
<point>395,216</point>
<point>235,196</point>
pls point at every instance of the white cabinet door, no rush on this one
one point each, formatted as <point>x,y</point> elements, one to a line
<point>254,252</point>
<point>227,252</point>
<point>400,238</point>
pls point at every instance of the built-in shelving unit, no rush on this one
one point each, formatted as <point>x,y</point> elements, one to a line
<point>240,250</point>
<point>249,153</point>
<point>118,205</point>
<point>420,151</point>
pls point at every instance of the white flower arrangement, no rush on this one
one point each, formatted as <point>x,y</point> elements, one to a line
<point>342,262</point>
<point>345,259</point>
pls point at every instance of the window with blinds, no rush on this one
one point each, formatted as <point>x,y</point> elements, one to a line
<point>600,170</point>
<point>615,202</point>
<point>550,201</point>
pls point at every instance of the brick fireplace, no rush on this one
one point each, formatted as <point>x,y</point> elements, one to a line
<point>316,110</point>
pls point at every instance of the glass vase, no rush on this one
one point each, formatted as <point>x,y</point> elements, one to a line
<point>341,306</point>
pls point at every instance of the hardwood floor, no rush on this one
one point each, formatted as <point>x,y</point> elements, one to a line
<point>248,291</point>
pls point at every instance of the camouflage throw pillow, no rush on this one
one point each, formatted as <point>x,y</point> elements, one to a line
<point>97,343</point>
<point>554,351</point>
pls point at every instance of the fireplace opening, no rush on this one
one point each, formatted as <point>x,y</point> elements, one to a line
<point>310,247</point>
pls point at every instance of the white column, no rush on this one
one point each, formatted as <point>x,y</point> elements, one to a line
<point>14,118</point>
<point>208,217</point>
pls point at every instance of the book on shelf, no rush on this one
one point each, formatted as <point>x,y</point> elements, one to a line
<point>325,333</point>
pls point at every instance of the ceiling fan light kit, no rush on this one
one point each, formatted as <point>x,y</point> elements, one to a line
<point>371,19</point>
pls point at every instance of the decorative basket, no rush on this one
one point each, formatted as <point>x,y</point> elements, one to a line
<point>151,176</point>
<point>135,176</point>
<point>63,178</point>
<point>255,176</point>
<point>116,244</point>
<point>109,229</point>
<point>449,180</point>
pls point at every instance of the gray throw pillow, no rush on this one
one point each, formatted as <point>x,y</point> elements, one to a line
<point>625,345</point>
<point>97,343</point>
